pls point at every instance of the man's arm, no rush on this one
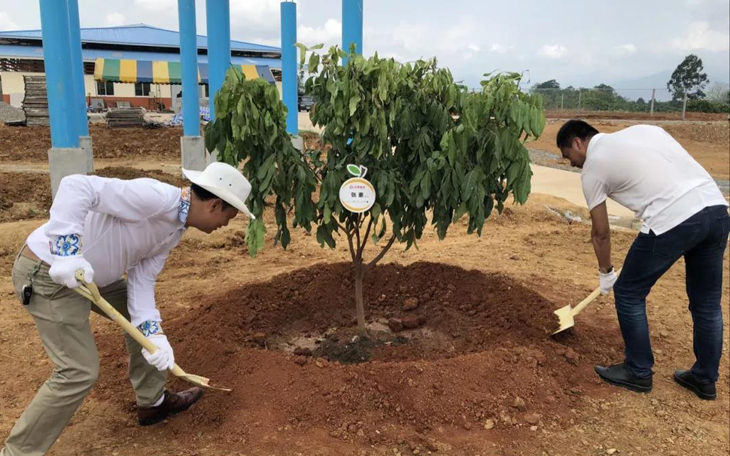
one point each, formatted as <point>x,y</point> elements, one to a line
<point>601,236</point>
<point>143,310</point>
<point>141,290</point>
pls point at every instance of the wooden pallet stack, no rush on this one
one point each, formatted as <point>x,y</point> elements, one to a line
<point>35,102</point>
<point>125,118</point>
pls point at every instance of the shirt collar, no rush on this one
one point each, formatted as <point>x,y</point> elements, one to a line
<point>184,205</point>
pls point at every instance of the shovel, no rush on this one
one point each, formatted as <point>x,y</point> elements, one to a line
<point>567,314</point>
<point>91,292</point>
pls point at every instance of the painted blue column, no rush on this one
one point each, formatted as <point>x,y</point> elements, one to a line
<point>189,65</point>
<point>219,46</point>
<point>289,80</point>
<point>78,98</point>
<point>59,78</point>
<point>352,25</point>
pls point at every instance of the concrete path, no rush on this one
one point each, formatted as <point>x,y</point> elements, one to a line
<point>566,185</point>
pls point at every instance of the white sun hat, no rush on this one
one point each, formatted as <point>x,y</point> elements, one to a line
<point>225,182</point>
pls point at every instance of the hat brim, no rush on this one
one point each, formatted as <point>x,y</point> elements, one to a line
<point>196,177</point>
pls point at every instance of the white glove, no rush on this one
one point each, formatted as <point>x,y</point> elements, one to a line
<point>63,270</point>
<point>607,281</point>
<point>163,358</point>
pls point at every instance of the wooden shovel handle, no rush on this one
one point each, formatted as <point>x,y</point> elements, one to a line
<point>591,297</point>
<point>91,292</point>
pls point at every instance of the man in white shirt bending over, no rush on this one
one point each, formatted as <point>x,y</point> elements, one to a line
<point>109,227</point>
<point>685,215</point>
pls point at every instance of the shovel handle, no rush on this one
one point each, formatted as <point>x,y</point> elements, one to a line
<point>591,297</point>
<point>91,292</point>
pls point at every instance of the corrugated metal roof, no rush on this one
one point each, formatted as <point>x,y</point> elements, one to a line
<point>36,52</point>
<point>139,35</point>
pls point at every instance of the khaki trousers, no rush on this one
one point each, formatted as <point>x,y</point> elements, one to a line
<point>62,318</point>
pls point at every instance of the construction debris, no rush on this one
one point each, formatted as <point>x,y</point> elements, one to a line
<point>35,102</point>
<point>125,118</point>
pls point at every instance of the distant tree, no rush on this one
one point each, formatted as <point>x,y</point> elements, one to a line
<point>605,88</point>
<point>718,91</point>
<point>688,77</point>
<point>640,101</point>
<point>551,84</point>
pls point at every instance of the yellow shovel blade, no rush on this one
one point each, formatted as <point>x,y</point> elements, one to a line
<point>565,317</point>
<point>200,381</point>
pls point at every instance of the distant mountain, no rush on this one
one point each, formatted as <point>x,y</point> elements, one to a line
<point>656,81</point>
<point>629,88</point>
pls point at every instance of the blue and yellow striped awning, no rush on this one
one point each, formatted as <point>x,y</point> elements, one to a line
<point>163,72</point>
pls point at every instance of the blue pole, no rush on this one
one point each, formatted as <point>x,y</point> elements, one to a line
<point>59,78</point>
<point>77,68</point>
<point>351,26</point>
<point>289,80</point>
<point>189,64</point>
<point>219,46</point>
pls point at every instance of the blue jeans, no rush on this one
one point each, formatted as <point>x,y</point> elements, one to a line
<point>701,239</point>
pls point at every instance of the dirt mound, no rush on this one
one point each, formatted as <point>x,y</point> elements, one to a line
<point>125,172</point>
<point>517,377</point>
<point>709,132</point>
<point>26,196</point>
<point>624,115</point>
<point>32,143</point>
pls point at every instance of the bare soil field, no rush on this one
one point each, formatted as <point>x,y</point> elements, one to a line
<point>707,141</point>
<point>471,370</point>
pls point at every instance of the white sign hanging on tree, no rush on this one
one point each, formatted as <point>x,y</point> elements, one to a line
<point>356,194</point>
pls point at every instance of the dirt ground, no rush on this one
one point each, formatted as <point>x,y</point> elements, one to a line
<point>474,371</point>
<point>707,141</point>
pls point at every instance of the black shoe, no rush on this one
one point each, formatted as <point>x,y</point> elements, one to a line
<point>620,375</point>
<point>704,391</point>
<point>172,404</point>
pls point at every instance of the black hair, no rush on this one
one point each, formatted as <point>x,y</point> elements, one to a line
<point>574,129</point>
<point>204,195</point>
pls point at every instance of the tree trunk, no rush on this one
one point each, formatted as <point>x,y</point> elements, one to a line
<point>360,305</point>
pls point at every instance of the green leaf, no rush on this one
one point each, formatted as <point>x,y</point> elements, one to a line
<point>354,170</point>
<point>353,105</point>
<point>470,183</point>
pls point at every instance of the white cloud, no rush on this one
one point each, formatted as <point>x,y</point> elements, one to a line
<point>6,23</point>
<point>699,37</point>
<point>115,19</point>
<point>473,47</point>
<point>329,34</point>
<point>157,5</point>
<point>553,51</point>
<point>467,55</point>
<point>624,49</point>
<point>500,48</point>
<point>264,13</point>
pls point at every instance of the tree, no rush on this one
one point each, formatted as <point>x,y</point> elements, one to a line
<point>551,84</point>
<point>428,145</point>
<point>719,92</point>
<point>550,92</point>
<point>688,77</point>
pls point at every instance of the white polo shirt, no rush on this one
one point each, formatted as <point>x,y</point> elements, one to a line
<point>646,170</point>
<point>125,226</point>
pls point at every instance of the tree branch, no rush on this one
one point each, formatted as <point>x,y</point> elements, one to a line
<point>382,252</point>
<point>352,248</point>
<point>361,247</point>
<point>357,233</point>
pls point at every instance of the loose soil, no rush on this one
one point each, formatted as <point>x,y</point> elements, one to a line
<point>707,142</point>
<point>623,115</point>
<point>30,144</point>
<point>478,375</point>
<point>26,196</point>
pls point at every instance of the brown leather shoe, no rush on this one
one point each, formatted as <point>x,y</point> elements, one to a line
<point>172,404</point>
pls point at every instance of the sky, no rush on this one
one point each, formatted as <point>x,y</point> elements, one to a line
<point>583,43</point>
